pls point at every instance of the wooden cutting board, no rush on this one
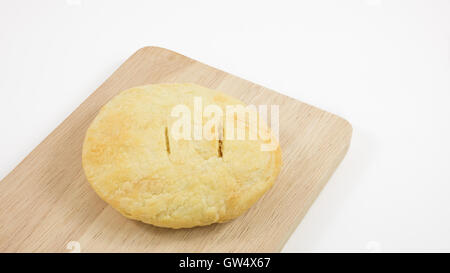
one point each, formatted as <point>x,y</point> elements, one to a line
<point>46,202</point>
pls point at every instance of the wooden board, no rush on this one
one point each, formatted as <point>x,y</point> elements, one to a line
<point>46,202</point>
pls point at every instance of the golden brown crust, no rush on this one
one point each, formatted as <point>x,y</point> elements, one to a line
<point>128,163</point>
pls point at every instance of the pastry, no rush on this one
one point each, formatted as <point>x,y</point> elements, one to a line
<point>137,162</point>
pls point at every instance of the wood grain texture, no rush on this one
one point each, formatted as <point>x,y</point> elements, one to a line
<point>45,202</point>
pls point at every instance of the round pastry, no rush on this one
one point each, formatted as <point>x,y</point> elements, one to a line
<point>136,161</point>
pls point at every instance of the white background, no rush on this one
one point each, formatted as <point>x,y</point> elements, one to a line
<point>382,65</point>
